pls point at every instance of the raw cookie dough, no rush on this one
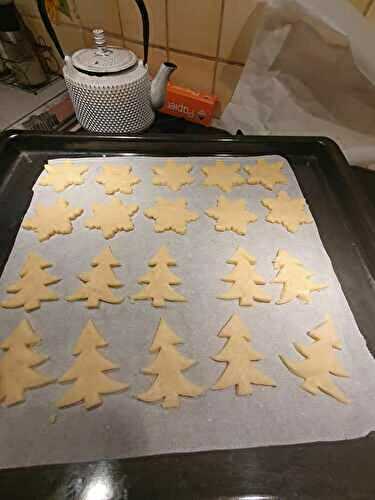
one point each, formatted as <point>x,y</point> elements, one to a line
<point>88,372</point>
<point>59,177</point>
<point>52,219</point>
<point>168,366</point>
<point>171,215</point>
<point>117,178</point>
<point>112,217</point>
<point>31,289</point>
<point>238,353</point>
<point>245,280</point>
<point>295,278</point>
<point>265,173</point>
<point>320,362</point>
<point>173,175</point>
<point>99,281</point>
<point>231,215</point>
<point>158,280</point>
<point>290,212</point>
<point>225,177</point>
<point>17,365</point>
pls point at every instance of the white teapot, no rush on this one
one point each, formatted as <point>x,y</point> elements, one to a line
<point>110,87</point>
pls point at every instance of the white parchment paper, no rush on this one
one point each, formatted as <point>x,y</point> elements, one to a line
<point>126,427</point>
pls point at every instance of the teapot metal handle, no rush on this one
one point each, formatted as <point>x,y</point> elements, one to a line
<point>146,28</point>
<point>145,25</point>
<point>47,23</point>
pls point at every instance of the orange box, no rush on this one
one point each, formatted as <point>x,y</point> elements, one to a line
<point>192,106</point>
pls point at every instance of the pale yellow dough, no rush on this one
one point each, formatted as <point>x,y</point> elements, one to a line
<point>158,280</point>
<point>112,217</point>
<point>117,178</point>
<point>17,365</point>
<point>88,372</point>
<point>168,366</point>
<point>31,289</point>
<point>265,173</point>
<point>173,175</point>
<point>320,362</point>
<point>231,215</point>
<point>99,281</point>
<point>295,278</point>
<point>59,177</point>
<point>171,215</point>
<point>245,280</point>
<point>51,220</point>
<point>224,176</point>
<point>239,355</point>
<point>290,212</point>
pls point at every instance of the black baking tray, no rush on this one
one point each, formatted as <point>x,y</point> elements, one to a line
<point>346,221</point>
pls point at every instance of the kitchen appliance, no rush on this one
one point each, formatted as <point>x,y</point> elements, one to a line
<point>17,51</point>
<point>109,87</point>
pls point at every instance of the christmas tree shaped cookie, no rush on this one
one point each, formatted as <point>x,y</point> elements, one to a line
<point>320,362</point>
<point>245,280</point>
<point>239,355</point>
<point>158,280</point>
<point>51,220</point>
<point>295,278</point>
<point>225,177</point>
<point>231,215</point>
<point>168,366</point>
<point>59,177</point>
<point>173,175</point>
<point>99,281</point>
<point>117,178</point>
<point>171,215</point>
<point>17,365</point>
<point>88,372</point>
<point>267,174</point>
<point>31,289</point>
<point>112,217</point>
<point>290,212</point>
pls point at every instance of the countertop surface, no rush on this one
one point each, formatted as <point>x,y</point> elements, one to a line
<point>241,474</point>
<point>16,103</point>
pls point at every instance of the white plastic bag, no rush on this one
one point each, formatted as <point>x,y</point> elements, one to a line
<point>311,71</point>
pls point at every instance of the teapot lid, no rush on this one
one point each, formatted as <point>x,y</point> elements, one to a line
<point>103,59</point>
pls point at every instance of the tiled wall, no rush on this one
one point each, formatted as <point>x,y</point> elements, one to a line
<point>207,39</point>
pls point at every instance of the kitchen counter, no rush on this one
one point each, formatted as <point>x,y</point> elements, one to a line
<point>249,474</point>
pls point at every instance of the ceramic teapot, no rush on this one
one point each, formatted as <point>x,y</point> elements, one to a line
<point>110,87</point>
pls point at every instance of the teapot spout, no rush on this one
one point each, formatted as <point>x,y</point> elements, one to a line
<point>159,84</point>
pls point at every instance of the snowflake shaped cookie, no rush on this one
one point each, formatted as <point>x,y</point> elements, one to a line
<point>51,220</point>
<point>267,174</point>
<point>112,217</point>
<point>59,177</point>
<point>231,215</point>
<point>117,178</point>
<point>171,215</point>
<point>172,175</point>
<point>290,212</point>
<point>225,177</point>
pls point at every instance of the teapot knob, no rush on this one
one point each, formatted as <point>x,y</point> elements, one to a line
<point>100,41</point>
